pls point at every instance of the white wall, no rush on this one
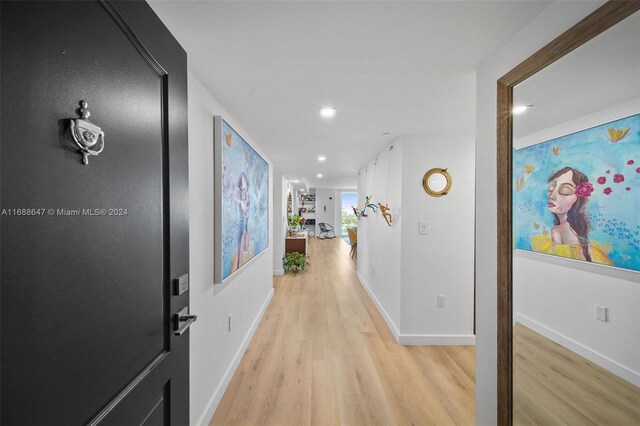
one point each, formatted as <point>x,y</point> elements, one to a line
<point>325,207</point>
<point>215,351</point>
<point>295,201</point>
<point>556,297</point>
<point>440,262</point>
<point>404,271</point>
<point>553,21</point>
<point>337,212</point>
<point>379,245</point>
<point>280,188</point>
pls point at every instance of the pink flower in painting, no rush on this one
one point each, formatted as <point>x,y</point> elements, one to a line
<point>638,170</point>
<point>584,190</point>
<point>602,180</point>
<point>607,191</point>
<point>630,162</point>
<point>618,177</point>
<point>608,172</point>
<point>628,188</point>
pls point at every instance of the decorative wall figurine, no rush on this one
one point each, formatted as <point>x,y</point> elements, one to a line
<point>356,212</point>
<point>576,196</point>
<point>384,209</point>
<point>369,204</point>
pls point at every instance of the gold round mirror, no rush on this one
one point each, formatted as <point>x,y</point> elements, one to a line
<point>437,182</point>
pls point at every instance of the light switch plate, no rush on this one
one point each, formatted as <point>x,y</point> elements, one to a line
<point>422,228</point>
<point>601,313</point>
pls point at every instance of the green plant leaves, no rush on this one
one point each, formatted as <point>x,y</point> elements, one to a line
<point>294,261</point>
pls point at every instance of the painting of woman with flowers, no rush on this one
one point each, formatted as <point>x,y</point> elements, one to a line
<point>559,211</point>
<point>567,197</point>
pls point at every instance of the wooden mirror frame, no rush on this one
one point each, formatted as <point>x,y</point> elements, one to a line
<point>427,188</point>
<point>594,24</point>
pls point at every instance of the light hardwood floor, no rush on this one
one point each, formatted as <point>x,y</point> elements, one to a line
<point>555,386</point>
<point>323,355</point>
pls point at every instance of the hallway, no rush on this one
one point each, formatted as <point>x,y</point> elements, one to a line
<point>324,355</point>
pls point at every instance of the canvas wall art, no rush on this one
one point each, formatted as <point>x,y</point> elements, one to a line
<point>241,198</point>
<point>578,196</point>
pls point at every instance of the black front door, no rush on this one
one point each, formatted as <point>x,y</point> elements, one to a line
<point>89,253</point>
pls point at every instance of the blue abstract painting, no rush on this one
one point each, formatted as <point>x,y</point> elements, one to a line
<point>578,196</point>
<point>245,202</point>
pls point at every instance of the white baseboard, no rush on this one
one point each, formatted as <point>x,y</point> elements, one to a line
<point>278,272</point>
<point>374,299</point>
<point>588,353</point>
<point>224,382</point>
<point>416,339</point>
<point>438,339</point>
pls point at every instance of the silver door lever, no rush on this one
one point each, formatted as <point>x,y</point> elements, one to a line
<point>183,321</point>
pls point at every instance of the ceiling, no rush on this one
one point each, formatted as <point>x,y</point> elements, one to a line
<point>387,67</point>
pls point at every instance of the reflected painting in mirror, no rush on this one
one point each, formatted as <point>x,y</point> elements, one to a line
<point>576,236</point>
<point>577,196</point>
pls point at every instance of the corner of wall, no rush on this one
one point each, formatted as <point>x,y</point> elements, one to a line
<point>387,318</point>
<point>426,270</point>
<point>405,273</point>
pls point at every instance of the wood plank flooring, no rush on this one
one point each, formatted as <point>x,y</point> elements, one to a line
<point>555,386</point>
<point>323,355</point>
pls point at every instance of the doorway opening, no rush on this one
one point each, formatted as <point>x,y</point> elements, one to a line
<point>348,219</point>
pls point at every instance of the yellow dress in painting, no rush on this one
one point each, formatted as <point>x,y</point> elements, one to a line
<point>544,244</point>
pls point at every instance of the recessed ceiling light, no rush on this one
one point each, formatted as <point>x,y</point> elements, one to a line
<point>295,181</point>
<point>322,158</point>
<point>519,109</point>
<point>386,133</point>
<point>319,175</point>
<point>327,112</point>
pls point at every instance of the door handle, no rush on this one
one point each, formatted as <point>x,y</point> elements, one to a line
<point>183,321</point>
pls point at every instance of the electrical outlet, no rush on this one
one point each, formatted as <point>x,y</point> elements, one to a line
<point>601,313</point>
<point>422,228</point>
<point>230,322</point>
<point>441,298</point>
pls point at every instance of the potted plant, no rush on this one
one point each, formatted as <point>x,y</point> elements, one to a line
<point>294,261</point>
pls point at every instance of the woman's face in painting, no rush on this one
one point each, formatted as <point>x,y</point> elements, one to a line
<point>561,194</point>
